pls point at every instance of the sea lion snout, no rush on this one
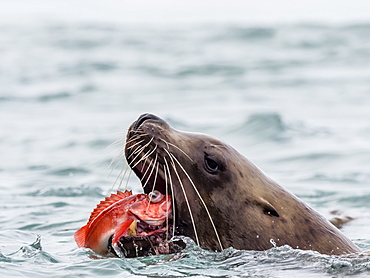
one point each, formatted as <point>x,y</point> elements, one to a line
<point>143,118</point>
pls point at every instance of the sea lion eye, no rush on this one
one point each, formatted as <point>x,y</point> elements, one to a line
<point>211,165</point>
<point>155,196</point>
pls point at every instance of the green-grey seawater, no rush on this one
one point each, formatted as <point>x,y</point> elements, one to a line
<point>293,98</point>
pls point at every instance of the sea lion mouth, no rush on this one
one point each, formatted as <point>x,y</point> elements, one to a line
<point>145,156</point>
<point>150,181</point>
<point>161,159</point>
<point>155,244</point>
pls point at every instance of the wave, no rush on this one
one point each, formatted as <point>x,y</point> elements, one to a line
<point>356,178</point>
<point>283,260</point>
<point>69,171</point>
<point>272,126</point>
<point>83,190</point>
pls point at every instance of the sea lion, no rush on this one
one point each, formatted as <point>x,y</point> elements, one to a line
<point>220,198</point>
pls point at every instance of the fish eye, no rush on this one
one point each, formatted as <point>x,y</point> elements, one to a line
<point>211,165</point>
<point>155,196</point>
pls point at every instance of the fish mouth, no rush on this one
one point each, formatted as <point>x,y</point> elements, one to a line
<point>146,229</point>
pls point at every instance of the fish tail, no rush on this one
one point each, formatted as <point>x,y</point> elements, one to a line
<point>80,236</point>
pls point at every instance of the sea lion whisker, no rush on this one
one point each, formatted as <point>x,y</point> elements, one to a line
<point>115,165</point>
<point>185,196</point>
<point>136,136</point>
<point>172,195</point>
<point>140,151</point>
<point>144,158</point>
<point>128,178</point>
<point>155,180</point>
<point>139,148</point>
<point>121,157</point>
<point>173,145</point>
<point>147,169</point>
<point>151,172</point>
<point>119,176</point>
<point>132,153</point>
<point>201,199</point>
<point>167,206</point>
<point>119,154</point>
<point>133,145</point>
<point>123,177</point>
<point>124,142</point>
<point>117,142</point>
<point>120,146</point>
<point>121,142</point>
<point>148,153</point>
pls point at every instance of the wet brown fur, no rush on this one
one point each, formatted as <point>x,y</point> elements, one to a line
<point>250,211</point>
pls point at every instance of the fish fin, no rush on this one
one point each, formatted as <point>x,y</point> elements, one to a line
<point>121,230</point>
<point>107,202</point>
<point>80,236</point>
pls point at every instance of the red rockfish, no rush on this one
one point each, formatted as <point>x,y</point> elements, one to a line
<point>124,214</point>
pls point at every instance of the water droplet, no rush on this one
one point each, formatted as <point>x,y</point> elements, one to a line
<point>273,242</point>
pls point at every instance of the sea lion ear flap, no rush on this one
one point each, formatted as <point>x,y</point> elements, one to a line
<point>267,207</point>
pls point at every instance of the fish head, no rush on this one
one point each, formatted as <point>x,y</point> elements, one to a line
<point>154,209</point>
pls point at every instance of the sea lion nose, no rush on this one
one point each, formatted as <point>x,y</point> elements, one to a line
<point>143,118</point>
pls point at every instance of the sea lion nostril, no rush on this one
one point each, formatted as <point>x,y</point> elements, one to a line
<point>142,119</point>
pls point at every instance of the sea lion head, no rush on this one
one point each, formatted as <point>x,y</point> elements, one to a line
<point>220,198</point>
<point>204,175</point>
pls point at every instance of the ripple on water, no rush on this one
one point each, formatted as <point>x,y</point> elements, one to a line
<point>15,248</point>
<point>264,126</point>
<point>247,34</point>
<point>353,177</point>
<point>273,127</point>
<point>360,201</point>
<point>56,96</point>
<point>241,263</point>
<point>68,171</point>
<point>83,190</point>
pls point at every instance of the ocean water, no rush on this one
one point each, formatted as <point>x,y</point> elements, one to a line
<point>294,98</point>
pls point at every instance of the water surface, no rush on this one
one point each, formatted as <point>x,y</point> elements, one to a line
<point>293,98</point>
